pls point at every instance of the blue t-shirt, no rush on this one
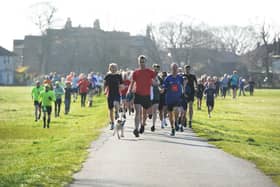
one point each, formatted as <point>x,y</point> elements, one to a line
<point>174,89</point>
<point>234,80</point>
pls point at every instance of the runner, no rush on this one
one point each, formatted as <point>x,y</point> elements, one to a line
<point>155,95</point>
<point>75,88</point>
<point>124,99</point>
<point>112,85</point>
<point>234,83</point>
<point>173,85</point>
<point>199,94</point>
<point>142,79</point>
<point>47,97</point>
<point>58,91</point>
<point>224,82</point>
<point>210,93</point>
<point>67,97</point>
<point>83,89</point>
<point>35,96</point>
<point>162,104</point>
<point>192,84</point>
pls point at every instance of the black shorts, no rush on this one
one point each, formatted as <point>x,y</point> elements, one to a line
<point>161,102</point>
<point>210,103</point>
<point>184,103</point>
<point>191,97</point>
<point>170,107</point>
<point>111,99</point>
<point>155,102</point>
<point>199,95</point>
<point>74,90</point>
<point>37,103</point>
<point>234,87</point>
<point>47,109</point>
<point>145,101</point>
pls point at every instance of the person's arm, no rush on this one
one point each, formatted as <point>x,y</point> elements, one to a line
<point>195,82</point>
<point>130,87</point>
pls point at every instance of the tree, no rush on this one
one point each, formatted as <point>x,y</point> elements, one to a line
<point>96,24</point>
<point>42,15</point>
<point>267,32</point>
<point>236,39</point>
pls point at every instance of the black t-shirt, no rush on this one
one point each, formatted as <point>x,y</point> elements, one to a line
<point>191,79</point>
<point>113,81</point>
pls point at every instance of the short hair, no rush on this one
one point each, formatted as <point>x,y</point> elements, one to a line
<point>141,57</point>
<point>156,66</point>
<point>187,66</point>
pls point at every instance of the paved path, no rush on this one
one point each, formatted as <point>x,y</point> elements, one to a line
<point>156,159</point>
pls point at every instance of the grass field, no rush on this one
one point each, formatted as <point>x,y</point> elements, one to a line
<point>33,156</point>
<point>248,127</point>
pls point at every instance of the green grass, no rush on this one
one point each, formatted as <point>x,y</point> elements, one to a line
<point>33,156</point>
<point>248,127</point>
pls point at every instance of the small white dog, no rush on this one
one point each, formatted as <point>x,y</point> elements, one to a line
<point>119,128</point>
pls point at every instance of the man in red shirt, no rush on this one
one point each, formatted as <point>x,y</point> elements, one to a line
<point>142,79</point>
<point>83,89</point>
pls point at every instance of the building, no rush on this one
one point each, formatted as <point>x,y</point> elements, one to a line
<point>7,66</point>
<point>83,49</point>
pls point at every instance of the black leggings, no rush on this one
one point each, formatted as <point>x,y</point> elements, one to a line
<point>83,99</point>
<point>57,107</point>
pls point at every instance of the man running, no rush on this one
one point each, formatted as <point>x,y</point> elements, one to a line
<point>173,85</point>
<point>35,96</point>
<point>58,91</point>
<point>191,83</point>
<point>47,97</point>
<point>142,79</point>
<point>234,80</point>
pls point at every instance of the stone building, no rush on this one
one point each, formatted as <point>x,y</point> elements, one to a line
<point>82,49</point>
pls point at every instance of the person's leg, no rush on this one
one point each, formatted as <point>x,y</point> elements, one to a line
<point>171,119</point>
<point>39,110</point>
<point>137,118</point>
<point>55,107</point>
<point>44,118</point>
<point>66,106</point>
<point>49,118</point>
<point>58,107</point>
<point>36,108</point>
<point>190,113</point>
<point>154,114</point>
<point>117,108</point>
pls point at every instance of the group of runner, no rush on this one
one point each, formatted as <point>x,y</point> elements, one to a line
<point>147,91</point>
<point>53,87</point>
<point>152,92</point>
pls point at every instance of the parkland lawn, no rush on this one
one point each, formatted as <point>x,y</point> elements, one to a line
<point>248,127</point>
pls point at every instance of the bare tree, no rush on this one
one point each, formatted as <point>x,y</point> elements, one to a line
<point>236,39</point>
<point>267,33</point>
<point>43,15</point>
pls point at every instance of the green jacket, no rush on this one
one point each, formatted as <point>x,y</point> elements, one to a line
<point>36,92</point>
<point>47,98</point>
